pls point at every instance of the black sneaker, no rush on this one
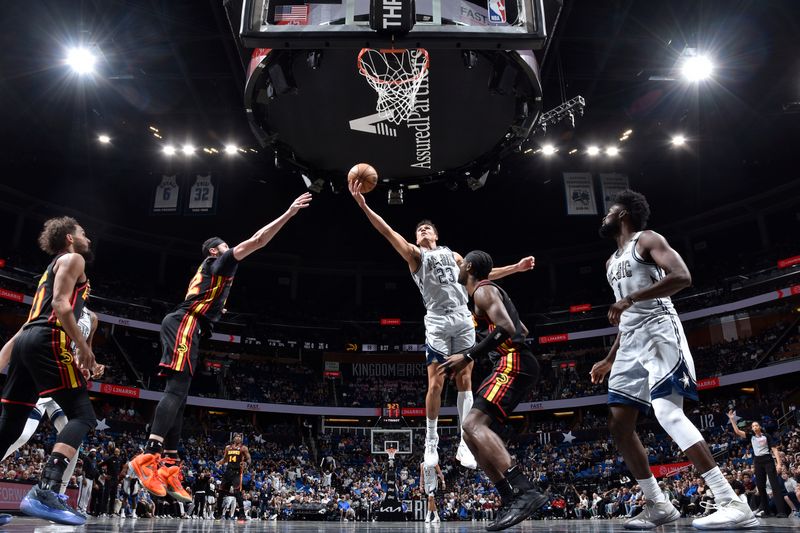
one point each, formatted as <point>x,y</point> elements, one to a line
<point>520,508</point>
<point>50,506</point>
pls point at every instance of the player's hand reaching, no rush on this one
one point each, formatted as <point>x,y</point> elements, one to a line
<point>600,369</point>
<point>732,415</point>
<point>355,191</point>
<point>526,263</point>
<point>616,310</point>
<point>300,202</point>
<point>453,364</point>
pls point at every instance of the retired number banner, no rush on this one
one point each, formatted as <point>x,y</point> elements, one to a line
<point>579,191</point>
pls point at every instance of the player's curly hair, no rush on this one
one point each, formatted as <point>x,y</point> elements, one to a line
<point>481,263</point>
<point>53,238</point>
<point>637,207</point>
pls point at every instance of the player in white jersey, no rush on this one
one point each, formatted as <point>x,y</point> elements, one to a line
<point>651,365</point>
<point>87,323</point>
<point>429,477</point>
<point>449,328</point>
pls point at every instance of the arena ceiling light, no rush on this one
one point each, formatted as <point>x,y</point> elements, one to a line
<point>187,149</point>
<point>549,149</point>
<point>612,151</point>
<point>697,68</point>
<point>81,60</point>
<point>678,140</point>
<point>104,139</point>
<point>593,150</point>
<point>168,150</point>
<point>231,149</point>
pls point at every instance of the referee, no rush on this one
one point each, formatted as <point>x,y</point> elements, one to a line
<point>764,466</point>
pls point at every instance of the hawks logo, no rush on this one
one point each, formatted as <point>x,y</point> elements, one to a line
<point>65,358</point>
<point>502,379</point>
<point>182,348</point>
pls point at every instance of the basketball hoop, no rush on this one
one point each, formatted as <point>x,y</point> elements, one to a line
<point>396,75</point>
<point>391,452</point>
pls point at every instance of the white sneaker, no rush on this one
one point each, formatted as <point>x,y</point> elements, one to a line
<point>653,515</point>
<point>431,456</point>
<point>731,515</point>
<point>435,519</point>
<point>428,518</point>
<point>465,457</point>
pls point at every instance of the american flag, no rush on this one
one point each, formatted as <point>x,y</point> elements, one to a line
<point>291,14</point>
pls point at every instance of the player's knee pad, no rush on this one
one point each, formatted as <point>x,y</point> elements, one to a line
<point>669,413</point>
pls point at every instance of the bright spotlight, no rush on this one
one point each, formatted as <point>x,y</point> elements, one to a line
<point>81,60</point>
<point>611,151</point>
<point>169,150</point>
<point>678,140</point>
<point>697,68</point>
<point>231,149</point>
<point>593,151</point>
<point>105,139</point>
<point>187,149</point>
<point>549,149</point>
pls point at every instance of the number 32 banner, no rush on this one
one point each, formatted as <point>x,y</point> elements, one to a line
<point>202,196</point>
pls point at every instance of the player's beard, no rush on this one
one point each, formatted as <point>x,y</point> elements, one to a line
<point>88,255</point>
<point>610,230</point>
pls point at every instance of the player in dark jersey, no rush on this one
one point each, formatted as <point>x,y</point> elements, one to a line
<point>181,331</point>
<point>516,370</point>
<point>235,458</point>
<point>43,363</point>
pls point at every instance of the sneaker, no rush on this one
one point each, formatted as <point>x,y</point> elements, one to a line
<point>50,506</point>
<point>435,519</point>
<point>465,457</point>
<point>145,467</point>
<point>428,518</point>
<point>431,456</point>
<point>172,478</point>
<point>730,515</point>
<point>759,513</point>
<point>5,519</point>
<point>653,515</point>
<point>518,509</point>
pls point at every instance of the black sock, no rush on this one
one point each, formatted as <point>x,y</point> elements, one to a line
<point>154,447</point>
<point>53,472</point>
<point>505,490</point>
<point>517,479</point>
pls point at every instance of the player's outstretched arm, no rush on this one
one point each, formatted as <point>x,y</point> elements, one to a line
<point>407,251</point>
<point>523,265</point>
<point>738,432</point>
<point>265,234</point>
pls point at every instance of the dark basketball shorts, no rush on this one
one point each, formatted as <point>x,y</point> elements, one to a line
<point>180,342</point>
<point>231,480</point>
<point>42,363</point>
<point>509,383</point>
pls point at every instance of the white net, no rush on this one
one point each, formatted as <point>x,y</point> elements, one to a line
<point>396,75</point>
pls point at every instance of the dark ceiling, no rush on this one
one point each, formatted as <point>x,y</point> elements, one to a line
<point>173,64</point>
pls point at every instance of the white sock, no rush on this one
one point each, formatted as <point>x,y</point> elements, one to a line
<point>651,490</point>
<point>464,403</point>
<point>432,433</point>
<point>723,492</point>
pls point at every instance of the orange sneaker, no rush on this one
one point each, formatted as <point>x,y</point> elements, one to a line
<point>145,466</point>
<point>172,477</point>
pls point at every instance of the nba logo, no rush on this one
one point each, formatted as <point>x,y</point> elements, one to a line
<point>497,11</point>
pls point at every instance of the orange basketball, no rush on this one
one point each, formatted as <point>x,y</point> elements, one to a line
<point>365,175</point>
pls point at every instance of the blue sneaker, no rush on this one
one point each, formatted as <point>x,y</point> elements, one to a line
<point>50,506</point>
<point>4,519</point>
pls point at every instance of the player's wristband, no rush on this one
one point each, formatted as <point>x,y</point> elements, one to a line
<point>492,341</point>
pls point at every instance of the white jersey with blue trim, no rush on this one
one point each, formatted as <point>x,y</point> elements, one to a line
<point>627,273</point>
<point>85,325</point>
<point>437,279</point>
<point>430,480</point>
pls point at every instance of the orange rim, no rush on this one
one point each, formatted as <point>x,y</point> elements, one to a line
<point>366,74</point>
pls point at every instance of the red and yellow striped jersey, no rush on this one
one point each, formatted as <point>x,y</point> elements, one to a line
<point>210,286</point>
<point>484,326</point>
<point>42,312</point>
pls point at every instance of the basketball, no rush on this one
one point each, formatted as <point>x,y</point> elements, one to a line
<point>365,175</point>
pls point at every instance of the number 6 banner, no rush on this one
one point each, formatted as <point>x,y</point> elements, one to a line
<point>202,196</point>
<point>165,199</point>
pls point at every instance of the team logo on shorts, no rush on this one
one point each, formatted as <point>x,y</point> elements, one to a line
<point>65,358</point>
<point>182,348</point>
<point>502,379</point>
